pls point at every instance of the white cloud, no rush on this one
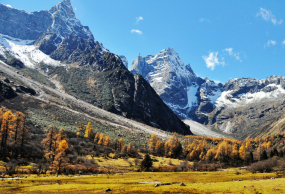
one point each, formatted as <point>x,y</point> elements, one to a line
<point>212,60</point>
<point>9,6</point>
<point>268,16</point>
<point>283,42</point>
<point>204,20</point>
<point>270,43</point>
<point>75,9</point>
<point>136,31</point>
<point>138,19</point>
<point>233,54</point>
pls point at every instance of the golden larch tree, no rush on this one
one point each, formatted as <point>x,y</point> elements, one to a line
<point>130,148</point>
<point>242,152</point>
<point>7,127</point>
<point>97,137</point>
<point>50,143</point>
<point>107,141</point>
<point>159,148</point>
<point>121,144</point>
<point>89,130</point>
<point>60,160</point>
<point>101,139</point>
<point>19,124</point>
<point>152,142</point>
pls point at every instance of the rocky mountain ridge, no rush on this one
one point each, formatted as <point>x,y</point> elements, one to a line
<point>229,108</point>
<point>66,51</point>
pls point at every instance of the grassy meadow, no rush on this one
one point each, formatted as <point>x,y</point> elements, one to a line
<point>231,180</point>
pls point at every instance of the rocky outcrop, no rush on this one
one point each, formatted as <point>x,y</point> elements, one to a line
<point>6,91</point>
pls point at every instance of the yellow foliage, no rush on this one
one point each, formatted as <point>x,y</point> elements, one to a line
<point>89,130</point>
<point>152,142</point>
<point>242,152</point>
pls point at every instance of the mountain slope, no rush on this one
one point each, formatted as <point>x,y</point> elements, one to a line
<point>81,66</point>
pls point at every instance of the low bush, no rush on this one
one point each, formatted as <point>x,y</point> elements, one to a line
<point>263,166</point>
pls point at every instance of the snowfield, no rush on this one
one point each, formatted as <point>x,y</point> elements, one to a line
<point>24,51</point>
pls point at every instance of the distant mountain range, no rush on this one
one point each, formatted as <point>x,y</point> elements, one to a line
<point>56,43</point>
<point>241,107</point>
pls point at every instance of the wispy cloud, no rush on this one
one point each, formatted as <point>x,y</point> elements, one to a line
<point>212,60</point>
<point>204,20</point>
<point>138,19</point>
<point>283,42</point>
<point>270,43</point>
<point>268,16</point>
<point>233,54</point>
<point>136,31</point>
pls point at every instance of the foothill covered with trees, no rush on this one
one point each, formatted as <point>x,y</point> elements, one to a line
<point>57,151</point>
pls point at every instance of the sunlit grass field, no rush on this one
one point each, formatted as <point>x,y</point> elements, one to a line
<point>224,181</point>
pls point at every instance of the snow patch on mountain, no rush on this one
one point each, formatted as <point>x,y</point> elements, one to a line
<point>38,56</point>
<point>24,51</point>
<point>227,98</point>
<point>191,95</point>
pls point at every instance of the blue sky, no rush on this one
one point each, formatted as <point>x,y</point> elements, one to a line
<point>220,39</point>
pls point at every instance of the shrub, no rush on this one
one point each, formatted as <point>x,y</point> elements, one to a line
<point>263,166</point>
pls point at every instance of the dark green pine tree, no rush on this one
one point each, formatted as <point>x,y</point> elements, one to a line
<point>263,156</point>
<point>146,163</point>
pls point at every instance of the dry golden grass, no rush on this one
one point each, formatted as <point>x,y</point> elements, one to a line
<point>225,181</point>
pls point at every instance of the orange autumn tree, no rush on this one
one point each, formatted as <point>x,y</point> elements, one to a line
<point>152,143</point>
<point>159,148</point>
<point>121,144</point>
<point>50,143</point>
<point>223,152</point>
<point>97,137</point>
<point>107,141</point>
<point>242,152</point>
<point>61,135</point>
<point>173,147</point>
<point>19,125</point>
<point>7,127</point>
<point>60,160</point>
<point>101,139</point>
<point>130,148</point>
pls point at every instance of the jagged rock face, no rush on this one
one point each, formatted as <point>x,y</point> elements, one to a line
<point>20,24</point>
<point>176,84</point>
<point>64,25</point>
